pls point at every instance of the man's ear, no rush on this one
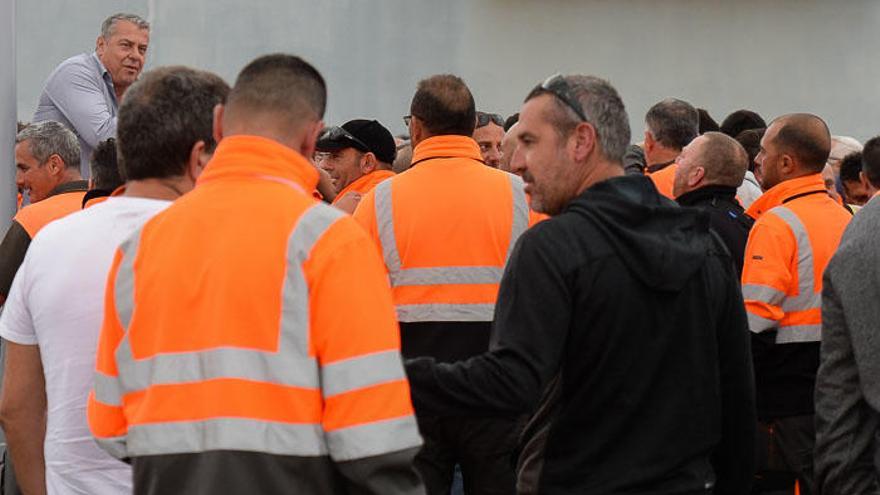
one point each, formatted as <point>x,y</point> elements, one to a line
<point>787,165</point>
<point>368,163</point>
<point>649,142</point>
<point>100,45</point>
<point>695,177</point>
<point>198,158</point>
<point>584,142</point>
<point>56,165</point>
<point>310,138</point>
<point>217,126</point>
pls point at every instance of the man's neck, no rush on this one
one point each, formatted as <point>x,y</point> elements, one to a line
<point>169,188</point>
<point>661,155</point>
<point>601,171</point>
<point>119,92</point>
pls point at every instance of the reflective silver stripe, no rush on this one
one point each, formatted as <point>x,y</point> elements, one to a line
<point>796,334</point>
<point>114,446</point>
<point>447,275</point>
<point>445,312</point>
<point>385,226</point>
<point>226,434</point>
<point>289,365</point>
<point>362,371</point>
<point>124,283</point>
<point>763,293</point>
<point>380,437</point>
<point>107,389</point>
<point>758,324</point>
<point>808,297</point>
<point>520,212</point>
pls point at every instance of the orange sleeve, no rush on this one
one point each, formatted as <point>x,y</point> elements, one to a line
<point>767,274</point>
<point>105,413</point>
<point>365,215</point>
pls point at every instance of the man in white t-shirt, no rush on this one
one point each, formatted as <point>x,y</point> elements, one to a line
<point>53,315</point>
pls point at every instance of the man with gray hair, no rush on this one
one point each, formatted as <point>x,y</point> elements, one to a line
<point>47,169</point>
<point>619,324</point>
<point>84,91</point>
<point>672,124</point>
<point>709,171</point>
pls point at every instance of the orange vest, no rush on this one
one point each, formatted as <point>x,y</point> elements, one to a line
<point>798,228</point>
<point>446,228</point>
<point>35,216</point>
<point>248,316</point>
<point>664,179</point>
<point>364,183</point>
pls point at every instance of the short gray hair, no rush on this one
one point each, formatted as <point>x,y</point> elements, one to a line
<point>107,27</point>
<point>51,138</point>
<point>673,123</point>
<point>604,109</point>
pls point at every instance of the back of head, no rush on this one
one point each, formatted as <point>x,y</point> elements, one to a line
<point>750,140</point>
<point>851,167</point>
<point>163,115</point>
<point>603,108</point>
<point>724,160</point>
<point>511,121</point>
<point>673,123</point>
<point>707,123</point>
<point>842,146</point>
<point>51,138</point>
<point>275,94</point>
<point>806,138</point>
<point>741,120</point>
<point>444,105</point>
<point>105,168</point>
<point>871,161</point>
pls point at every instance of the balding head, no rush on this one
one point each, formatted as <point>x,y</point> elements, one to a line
<point>442,105</point>
<point>508,147</point>
<point>278,96</point>
<point>805,138</point>
<point>711,159</point>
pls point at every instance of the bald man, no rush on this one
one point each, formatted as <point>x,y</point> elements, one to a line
<point>508,147</point>
<point>797,229</point>
<point>710,169</point>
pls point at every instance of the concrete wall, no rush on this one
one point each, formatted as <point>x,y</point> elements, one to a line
<point>773,57</point>
<point>7,113</point>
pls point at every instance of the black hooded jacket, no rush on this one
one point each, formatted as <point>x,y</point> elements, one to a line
<point>621,328</point>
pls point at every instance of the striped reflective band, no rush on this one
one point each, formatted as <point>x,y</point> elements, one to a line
<point>290,365</point>
<point>446,275</point>
<point>808,297</point>
<point>371,439</point>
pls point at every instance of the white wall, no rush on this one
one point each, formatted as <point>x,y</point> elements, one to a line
<point>771,56</point>
<point>7,113</point>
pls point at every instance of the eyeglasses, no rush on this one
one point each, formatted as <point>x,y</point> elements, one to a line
<point>338,133</point>
<point>484,118</point>
<point>407,120</point>
<point>557,85</point>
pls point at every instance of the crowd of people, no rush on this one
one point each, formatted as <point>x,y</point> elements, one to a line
<point>207,290</point>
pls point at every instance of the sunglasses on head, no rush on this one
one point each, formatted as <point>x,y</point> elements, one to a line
<point>338,133</point>
<point>557,85</point>
<point>484,118</point>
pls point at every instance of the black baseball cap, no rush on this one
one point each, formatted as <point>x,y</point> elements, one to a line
<point>361,134</point>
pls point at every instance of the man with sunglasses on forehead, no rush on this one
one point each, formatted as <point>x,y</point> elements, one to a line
<point>488,135</point>
<point>358,155</point>
<point>619,326</point>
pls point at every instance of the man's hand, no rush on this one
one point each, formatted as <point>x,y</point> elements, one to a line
<point>23,414</point>
<point>349,202</point>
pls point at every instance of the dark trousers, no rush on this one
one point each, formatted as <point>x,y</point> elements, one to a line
<point>483,447</point>
<point>785,454</point>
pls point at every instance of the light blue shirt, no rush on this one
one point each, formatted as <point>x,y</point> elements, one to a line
<point>79,94</point>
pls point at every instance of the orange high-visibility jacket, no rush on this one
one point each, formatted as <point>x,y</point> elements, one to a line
<point>446,227</point>
<point>365,183</point>
<point>797,229</point>
<point>67,200</point>
<point>249,317</point>
<point>664,179</point>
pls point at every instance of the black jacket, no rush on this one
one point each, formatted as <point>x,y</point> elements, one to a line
<point>726,217</point>
<point>620,325</point>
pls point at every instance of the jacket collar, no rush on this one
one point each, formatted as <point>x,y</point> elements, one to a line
<point>448,146</point>
<point>365,180</point>
<point>72,186</point>
<point>706,193</point>
<point>785,191</point>
<point>258,157</point>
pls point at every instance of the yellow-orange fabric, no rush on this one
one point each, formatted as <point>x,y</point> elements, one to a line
<point>664,179</point>
<point>250,317</point>
<point>446,227</point>
<point>35,216</point>
<point>798,227</point>
<point>365,183</point>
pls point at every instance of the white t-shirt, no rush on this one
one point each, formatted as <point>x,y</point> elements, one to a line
<point>57,302</point>
<point>749,191</point>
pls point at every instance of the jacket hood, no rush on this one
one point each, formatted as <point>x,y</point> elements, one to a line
<point>661,244</point>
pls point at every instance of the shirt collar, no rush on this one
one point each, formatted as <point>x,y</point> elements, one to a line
<point>72,186</point>
<point>258,157</point>
<point>707,192</point>
<point>448,146</point>
<point>784,191</point>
